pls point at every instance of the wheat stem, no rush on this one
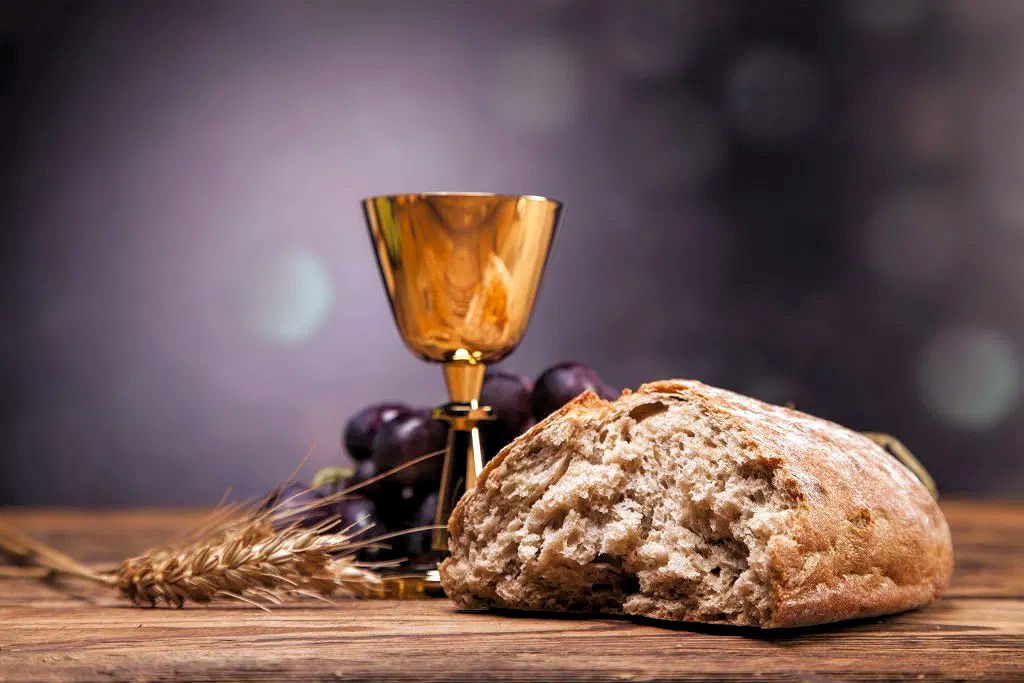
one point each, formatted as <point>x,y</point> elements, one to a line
<point>30,550</point>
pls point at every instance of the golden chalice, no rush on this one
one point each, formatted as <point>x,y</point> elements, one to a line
<point>461,271</point>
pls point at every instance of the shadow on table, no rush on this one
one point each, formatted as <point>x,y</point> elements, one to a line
<point>769,635</point>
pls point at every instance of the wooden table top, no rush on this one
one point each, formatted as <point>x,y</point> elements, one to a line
<point>75,631</point>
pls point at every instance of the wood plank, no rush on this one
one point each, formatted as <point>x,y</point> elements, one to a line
<point>988,542</point>
<point>429,640</point>
<point>69,631</point>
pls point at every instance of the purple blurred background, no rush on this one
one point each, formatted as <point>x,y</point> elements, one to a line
<point>820,203</point>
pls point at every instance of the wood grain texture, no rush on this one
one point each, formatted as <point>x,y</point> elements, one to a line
<point>69,631</point>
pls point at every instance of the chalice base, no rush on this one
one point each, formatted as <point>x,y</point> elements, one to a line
<point>422,583</point>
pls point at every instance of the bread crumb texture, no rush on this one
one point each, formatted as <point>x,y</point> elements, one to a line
<point>686,502</point>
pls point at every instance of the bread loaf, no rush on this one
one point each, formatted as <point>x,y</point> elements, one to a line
<point>686,502</point>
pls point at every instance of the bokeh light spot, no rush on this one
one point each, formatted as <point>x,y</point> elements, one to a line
<point>774,93</point>
<point>970,377</point>
<point>291,299</point>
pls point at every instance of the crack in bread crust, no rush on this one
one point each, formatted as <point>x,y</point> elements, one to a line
<point>682,501</point>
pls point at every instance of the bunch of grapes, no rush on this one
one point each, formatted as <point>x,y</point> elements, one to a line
<point>385,435</point>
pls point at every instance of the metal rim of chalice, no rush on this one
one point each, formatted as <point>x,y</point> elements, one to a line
<point>494,195</point>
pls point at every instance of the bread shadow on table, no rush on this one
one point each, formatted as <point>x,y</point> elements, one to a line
<point>774,635</point>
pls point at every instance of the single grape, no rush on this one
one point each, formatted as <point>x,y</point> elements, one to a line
<point>419,543</point>
<point>561,383</point>
<point>378,552</point>
<point>398,510</point>
<point>366,470</point>
<point>364,425</point>
<point>438,429</point>
<point>408,436</point>
<point>427,510</point>
<point>509,394</point>
<point>358,517</point>
<point>396,505</point>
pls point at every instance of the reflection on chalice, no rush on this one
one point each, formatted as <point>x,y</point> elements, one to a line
<point>461,271</point>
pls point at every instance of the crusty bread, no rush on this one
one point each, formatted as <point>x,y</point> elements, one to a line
<point>683,501</point>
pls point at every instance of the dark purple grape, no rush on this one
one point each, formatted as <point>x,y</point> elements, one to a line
<point>419,543</point>
<point>561,383</point>
<point>397,504</point>
<point>494,436</point>
<point>397,508</point>
<point>358,517</point>
<point>509,393</point>
<point>364,425</point>
<point>375,552</point>
<point>296,504</point>
<point>409,436</point>
<point>427,510</point>
<point>438,428</point>
<point>366,470</point>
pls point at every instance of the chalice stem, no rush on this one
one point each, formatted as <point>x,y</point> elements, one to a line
<point>464,376</point>
<point>462,465</point>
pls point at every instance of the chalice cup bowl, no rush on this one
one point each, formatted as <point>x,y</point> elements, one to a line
<point>461,271</point>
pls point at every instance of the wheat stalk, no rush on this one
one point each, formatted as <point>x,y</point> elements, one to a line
<point>253,563</point>
<point>240,552</point>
